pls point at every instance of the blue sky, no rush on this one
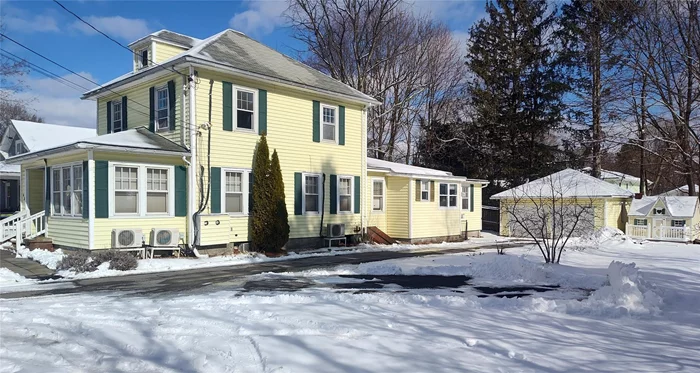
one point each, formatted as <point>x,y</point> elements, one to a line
<point>48,29</point>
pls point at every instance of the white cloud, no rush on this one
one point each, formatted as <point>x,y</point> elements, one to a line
<point>448,10</point>
<point>461,38</point>
<point>18,20</point>
<point>58,103</point>
<point>261,18</point>
<point>128,29</point>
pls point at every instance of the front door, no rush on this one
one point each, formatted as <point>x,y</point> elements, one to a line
<point>657,227</point>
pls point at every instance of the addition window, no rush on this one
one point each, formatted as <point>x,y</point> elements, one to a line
<point>425,190</point>
<point>141,190</point>
<point>67,190</point>
<point>465,197</point>
<point>126,190</point>
<point>236,193</point>
<point>162,109</point>
<point>345,194</point>
<point>378,195</point>
<point>640,221</point>
<point>245,109</point>
<point>330,121</point>
<point>448,195</point>
<point>156,191</point>
<point>116,116</point>
<point>312,193</point>
<point>678,223</point>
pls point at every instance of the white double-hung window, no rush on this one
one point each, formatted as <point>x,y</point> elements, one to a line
<point>116,116</point>
<point>378,195</point>
<point>425,190</point>
<point>312,193</point>
<point>67,190</point>
<point>245,109</point>
<point>329,123</point>
<point>448,195</point>
<point>162,109</point>
<point>465,197</point>
<point>345,194</point>
<point>141,190</point>
<point>235,191</point>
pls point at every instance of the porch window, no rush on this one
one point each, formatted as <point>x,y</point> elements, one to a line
<point>126,190</point>
<point>162,109</point>
<point>312,193</point>
<point>640,221</point>
<point>678,223</point>
<point>141,190</point>
<point>156,191</point>
<point>425,190</point>
<point>378,195</point>
<point>448,195</point>
<point>67,190</point>
<point>465,197</point>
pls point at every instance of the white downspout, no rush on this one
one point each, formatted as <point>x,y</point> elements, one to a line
<point>363,177</point>
<point>192,169</point>
<point>91,199</point>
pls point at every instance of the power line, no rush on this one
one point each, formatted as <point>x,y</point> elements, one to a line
<point>71,71</point>
<point>112,39</point>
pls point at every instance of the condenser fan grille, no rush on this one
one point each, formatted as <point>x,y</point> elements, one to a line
<point>126,238</point>
<point>164,238</point>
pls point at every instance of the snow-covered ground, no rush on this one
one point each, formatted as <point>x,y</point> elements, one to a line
<point>641,318</point>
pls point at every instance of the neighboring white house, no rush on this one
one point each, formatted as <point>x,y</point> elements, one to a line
<point>680,191</point>
<point>667,218</point>
<point>22,137</point>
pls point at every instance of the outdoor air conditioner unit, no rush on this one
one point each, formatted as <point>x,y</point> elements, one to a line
<point>126,238</point>
<point>336,230</point>
<point>161,237</point>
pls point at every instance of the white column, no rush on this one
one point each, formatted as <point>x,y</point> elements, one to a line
<point>91,200</point>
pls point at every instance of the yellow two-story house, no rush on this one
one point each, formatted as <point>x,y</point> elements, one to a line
<point>171,162</point>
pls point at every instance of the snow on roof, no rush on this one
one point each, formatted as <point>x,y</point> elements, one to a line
<point>565,183</point>
<point>677,206</point>
<point>400,168</point>
<point>615,175</point>
<point>37,136</point>
<point>10,168</point>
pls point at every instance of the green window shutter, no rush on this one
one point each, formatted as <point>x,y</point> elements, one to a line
<point>215,185</point>
<point>431,191</point>
<point>334,194</point>
<point>171,104</point>
<point>124,119</point>
<point>341,125</point>
<point>109,116</point>
<point>317,121</point>
<point>152,111</point>
<point>471,197</point>
<point>101,189</point>
<point>298,196</point>
<point>47,191</point>
<point>250,192</point>
<point>357,190</point>
<point>228,106</point>
<point>262,111</point>
<point>180,191</point>
<point>86,191</point>
<point>418,191</point>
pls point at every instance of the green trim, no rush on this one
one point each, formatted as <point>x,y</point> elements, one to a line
<point>180,191</point>
<point>215,187</point>
<point>172,104</point>
<point>152,111</point>
<point>357,191</point>
<point>101,189</point>
<point>228,106</point>
<point>262,112</point>
<point>341,125</point>
<point>471,197</point>
<point>109,116</point>
<point>334,194</point>
<point>317,122</point>
<point>47,191</point>
<point>298,197</point>
<point>125,125</point>
<point>86,191</point>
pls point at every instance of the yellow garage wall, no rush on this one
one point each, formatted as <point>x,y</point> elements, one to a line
<point>289,127</point>
<point>138,106</point>
<point>104,227</point>
<point>397,209</point>
<point>430,220</point>
<point>473,218</point>
<point>375,218</point>
<point>165,51</point>
<point>614,212</point>
<point>66,231</point>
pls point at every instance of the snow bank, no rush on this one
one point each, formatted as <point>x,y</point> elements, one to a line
<point>626,291</point>
<point>45,257</point>
<point>606,236</point>
<point>8,277</point>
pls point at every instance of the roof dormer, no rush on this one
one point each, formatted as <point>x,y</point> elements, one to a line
<point>158,47</point>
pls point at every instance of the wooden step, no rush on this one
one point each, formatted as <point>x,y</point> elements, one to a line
<point>377,236</point>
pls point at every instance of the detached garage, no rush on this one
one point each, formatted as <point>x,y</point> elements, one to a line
<point>563,201</point>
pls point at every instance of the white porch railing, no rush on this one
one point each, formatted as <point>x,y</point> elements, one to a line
<point>8,226</point>
<point>658,233</point>
<point>674,233</point>
<point>30,227</point>
<point>638,231</point>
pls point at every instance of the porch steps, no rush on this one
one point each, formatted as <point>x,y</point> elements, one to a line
<point>377,236</point>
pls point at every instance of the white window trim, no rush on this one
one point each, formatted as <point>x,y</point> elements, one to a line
<point>143,190</point>
<point>303,194</point>
<point>378,179</point>
<point>121,115</point>
<point>448,207</point>
<point>139,58</point>
<point>155,105</point>
<point>235,89</point>
<point>72,203</point>
<point>467,197</point>
<point>352,195</point>
<point>245,180</point>
<point>336,124</point>
<point>427,189</point>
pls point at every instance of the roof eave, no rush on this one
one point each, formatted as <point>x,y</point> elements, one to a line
<point>82,146</point>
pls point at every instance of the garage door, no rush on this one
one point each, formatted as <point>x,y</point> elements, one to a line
<point>527,218</point>
<point>580,219</point>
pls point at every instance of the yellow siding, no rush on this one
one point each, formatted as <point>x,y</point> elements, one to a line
<point>471,220</point>
<point>138,106</point>
<point>289,125</point>
<point>139,158</point>
<point>599,212</point>
<point>614,212</point>
<point>36,189</point>
<point>104,227</point>
<point>216,234</point>
<point>165,51</point>
<point>375,218</point>
<point>430,220</point>
<point>397,207</point>
<point>71,232</point>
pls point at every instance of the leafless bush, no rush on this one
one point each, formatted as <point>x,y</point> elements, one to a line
<point>82,261</point>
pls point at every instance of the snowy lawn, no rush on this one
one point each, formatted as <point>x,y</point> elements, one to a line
<point>642,319</point>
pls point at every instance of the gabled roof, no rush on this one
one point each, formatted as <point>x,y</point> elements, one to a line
<point>677,206</point>
<point>567,183</point>
<point>37,136</point>
<point>171,37</point>
<point>135,140</point>
<point>239,53</point>
<point>400,169</point>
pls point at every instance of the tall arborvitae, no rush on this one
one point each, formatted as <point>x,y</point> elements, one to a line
<point>515,91</point>
<point>263,207</point>
<point>280,221</point>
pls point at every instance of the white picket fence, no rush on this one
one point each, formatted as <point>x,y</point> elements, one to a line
<point>659,233</point>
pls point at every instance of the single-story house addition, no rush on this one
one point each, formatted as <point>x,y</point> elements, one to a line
<point>417,204</point>
<point>668,218</point>
<point>603,204</point>
<point>622,180</point>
